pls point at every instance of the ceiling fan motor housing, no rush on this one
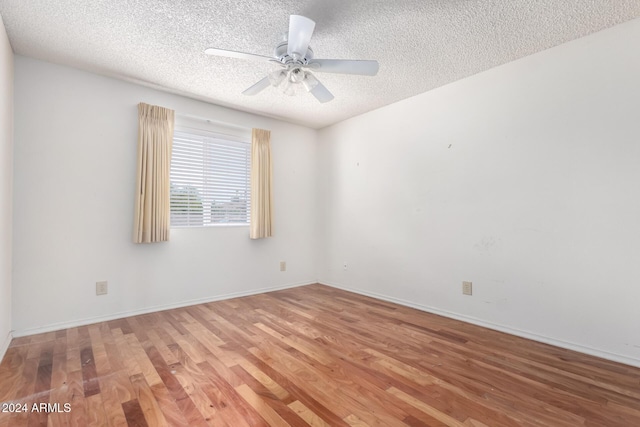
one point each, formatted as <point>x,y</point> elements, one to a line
<point>283,56</point>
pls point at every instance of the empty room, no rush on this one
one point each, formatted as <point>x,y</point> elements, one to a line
<point>324,213</point>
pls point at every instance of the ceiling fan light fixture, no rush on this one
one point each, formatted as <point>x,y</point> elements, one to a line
<point>288,88</point>
<point>277,77</point>
<point>296,75</point>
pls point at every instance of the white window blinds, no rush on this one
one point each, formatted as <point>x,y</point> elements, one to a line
<point>210,179</point>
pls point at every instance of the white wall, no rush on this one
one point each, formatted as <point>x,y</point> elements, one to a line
<point>6,179</point>
<point>75,154</point>
<point>524,179</point>
<point>6,184</point>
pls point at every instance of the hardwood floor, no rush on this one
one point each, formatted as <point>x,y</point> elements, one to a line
<point>312,355</point>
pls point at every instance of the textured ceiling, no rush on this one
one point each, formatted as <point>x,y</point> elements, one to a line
<point>420,44</point>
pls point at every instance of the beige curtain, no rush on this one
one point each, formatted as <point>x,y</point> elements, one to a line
<point>155,138</point>
<point>261,189</point>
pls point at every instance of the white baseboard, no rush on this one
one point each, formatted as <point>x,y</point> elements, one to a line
<point>502,328</point>
<point>120,315</point>
<point>5,345</point>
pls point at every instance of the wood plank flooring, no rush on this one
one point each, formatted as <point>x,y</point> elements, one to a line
<point>314,356</point>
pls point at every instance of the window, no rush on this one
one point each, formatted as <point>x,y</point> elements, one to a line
<point>210,182</point>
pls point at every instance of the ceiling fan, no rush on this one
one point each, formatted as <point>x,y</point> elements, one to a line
<point>295,57</point>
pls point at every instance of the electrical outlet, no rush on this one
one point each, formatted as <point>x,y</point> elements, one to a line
<point>102,288</point>
<point>467,288</point>
<point>283,265</point>
<point>344,266</point>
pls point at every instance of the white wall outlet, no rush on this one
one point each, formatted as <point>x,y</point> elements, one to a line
<point>344,266</point>
<point>283,265</point>
<point>102,288</point>
<point>467,288</point>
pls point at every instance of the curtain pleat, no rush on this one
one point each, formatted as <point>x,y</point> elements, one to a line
<point>261,186</point>
<point>155,139</point>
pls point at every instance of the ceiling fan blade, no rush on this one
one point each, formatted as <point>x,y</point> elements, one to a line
<point>234,54</point>
<point>258,87</point>
<point>300,32</point>
<point>344,66</point>
<point>321,93</point>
